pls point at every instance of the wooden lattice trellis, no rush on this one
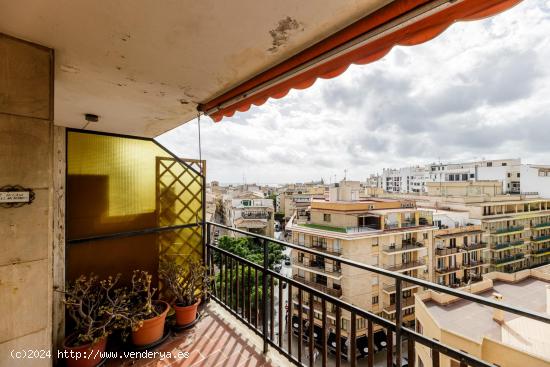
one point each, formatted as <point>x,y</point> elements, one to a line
<point>179,201</point>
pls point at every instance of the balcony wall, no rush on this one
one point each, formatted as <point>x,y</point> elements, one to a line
<point>27,138</point>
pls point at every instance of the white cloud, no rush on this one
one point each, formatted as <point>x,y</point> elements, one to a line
<point>481,89</point>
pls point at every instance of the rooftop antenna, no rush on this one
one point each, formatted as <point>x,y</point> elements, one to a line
<point>345,174</point>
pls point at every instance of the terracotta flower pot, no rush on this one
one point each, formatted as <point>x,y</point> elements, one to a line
<point>89,355</point>
<point>186,314</point>
<point>152,329</point>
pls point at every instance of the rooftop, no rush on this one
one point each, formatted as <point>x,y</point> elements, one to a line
<point>475,321</point>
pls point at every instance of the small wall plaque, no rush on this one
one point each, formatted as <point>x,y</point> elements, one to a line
<point>15,196</point>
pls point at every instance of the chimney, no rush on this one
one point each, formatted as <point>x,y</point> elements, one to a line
<point>498,315</point>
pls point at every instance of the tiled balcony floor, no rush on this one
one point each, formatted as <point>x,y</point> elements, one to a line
<point>218,339</point>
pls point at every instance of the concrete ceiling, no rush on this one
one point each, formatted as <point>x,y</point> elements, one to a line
<point>143,65</point>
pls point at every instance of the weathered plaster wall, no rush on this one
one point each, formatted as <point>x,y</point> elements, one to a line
<point>26,236</point>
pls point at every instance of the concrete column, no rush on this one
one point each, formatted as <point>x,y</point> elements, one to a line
<point>26,235</point>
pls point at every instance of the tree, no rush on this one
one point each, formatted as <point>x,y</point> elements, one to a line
<point>250,249</point>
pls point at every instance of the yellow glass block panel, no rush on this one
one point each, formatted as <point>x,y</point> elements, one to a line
<point>117,184</point>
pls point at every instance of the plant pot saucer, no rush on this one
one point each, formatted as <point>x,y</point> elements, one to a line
<point>138,348</point>
<point>178,328</point>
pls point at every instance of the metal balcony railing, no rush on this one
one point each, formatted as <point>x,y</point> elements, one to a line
<point>406,302</point>
<point>446,251</point>
<point>447,269</point>
<point>405,246</point>
<point>318,266</point>
<point>474,246</point>
<point>390,288</point>
<point>508,229</point>
<point>405,265</point>
<point>253,293</point>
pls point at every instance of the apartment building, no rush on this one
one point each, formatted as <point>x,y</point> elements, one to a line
<point>497,337</point>
<point>508,172</point>
<point>517,232</point>
<point>392,234</point>
<point>249,212</point>
<point>459,256</point>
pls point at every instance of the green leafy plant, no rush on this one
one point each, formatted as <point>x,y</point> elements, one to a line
<point>186,282</point>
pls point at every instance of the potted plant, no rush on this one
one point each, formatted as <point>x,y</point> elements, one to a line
<point>146,316</point>
<point>186,284</point>
<point>96,308</point>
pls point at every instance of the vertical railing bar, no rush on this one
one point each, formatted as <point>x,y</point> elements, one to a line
<point>208,253</point>
<point>352,352</point>
<point>225,284</point>
<point>231,290</point>
<point>256,299</point>
<point>410,352</point>
<point>398,321</point>
<point>281,312</point>
<point>289,319</point>
<point>237,287</point>
<point>300,324</point>
<point>249,304</point>
<point>243,306</point>
<point>311,327</point>
<point>264,294</point>
<point>389,351</point>
<point>324,333</point>
<point>338,336</point>
<point>370,337</point>
<point>272,307</point>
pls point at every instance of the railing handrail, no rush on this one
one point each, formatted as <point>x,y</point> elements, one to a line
<point>424,283</point>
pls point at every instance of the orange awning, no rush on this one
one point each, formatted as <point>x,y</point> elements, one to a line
<point>402,22</point>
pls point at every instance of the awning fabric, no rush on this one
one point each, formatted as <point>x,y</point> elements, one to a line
<point>412,32</point>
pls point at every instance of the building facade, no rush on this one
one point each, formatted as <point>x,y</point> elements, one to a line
<point>392,234</point>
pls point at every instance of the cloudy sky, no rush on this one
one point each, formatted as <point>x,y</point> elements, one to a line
<point>479,90</point>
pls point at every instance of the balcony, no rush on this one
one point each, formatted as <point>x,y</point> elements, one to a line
<point>406,303</point>
<point>404,247</point>
<point>331,251</point>
<point>541,226</point>
<point>267,318</point>
<point>255,215</point>
<point>505,245</point>
<point>446,251</point>
<point>474,264</point>
<point>406,265</point>
<point>447,269</point>
<point>390,287</point>
<point>323,288</point>
<point>541,238</point>
<point>541,251</point>
<point>474,246</point>
<point>508,259</point>
<point>319,266</point>
<point>511,229</point>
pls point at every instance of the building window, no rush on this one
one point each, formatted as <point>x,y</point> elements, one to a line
<point>509,174</point>
<point>375,300</point>
<point>344,325</point>
<point>425,236</point>
<point>419,328</point>
<point>326,217</point>
<point>504,164</point>
<point>361,323</point>
<point>489,164</point>
<point>246,202</point>
<point>517,174</point>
